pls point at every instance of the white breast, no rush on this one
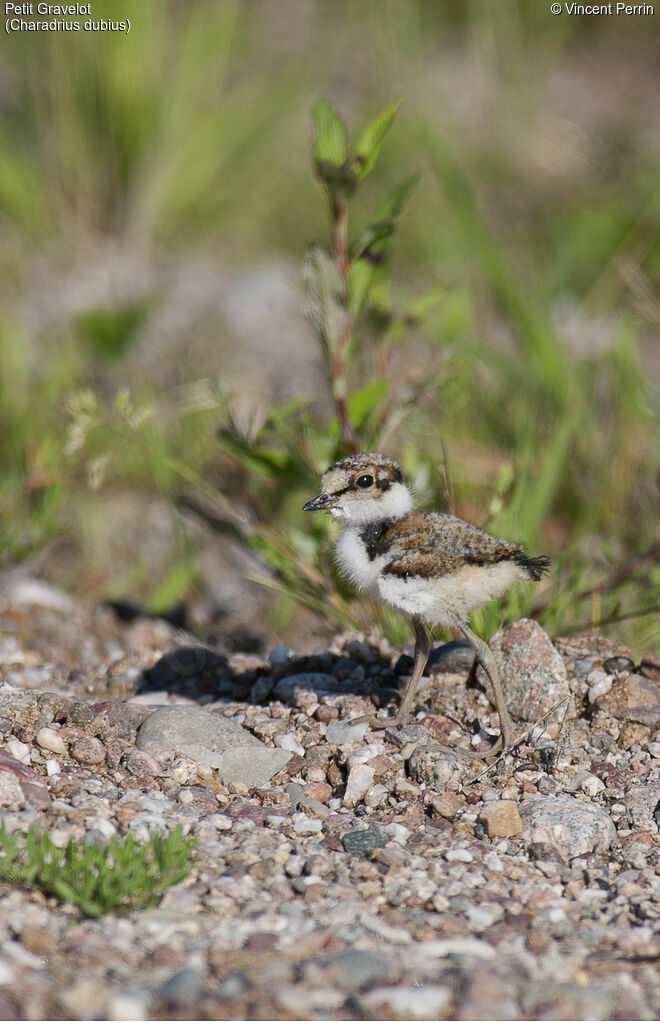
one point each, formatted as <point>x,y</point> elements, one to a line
<point>354,560</point>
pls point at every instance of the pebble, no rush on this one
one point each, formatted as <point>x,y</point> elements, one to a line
<point>318,790</point>
<point>313,684</point>
<point>354,969</point>
<point>88,750</point>
<point>304,825</point>
<point>573,827</point>
<point>127,1005</point>
<point>399,833</point>
<point>295,792</point>
<point>434,766</point>
<point>180,665</point>
<point>364,755</point>
<point>459,855</point>
<point>213,741</point>
<point>501,819</point>
<point>360,780</point>
<point>278,917</point>
<point>484,915</point>
<point>634,698</point>
<point>51,740</point>
<point>650,668</point>
<point>427,1002</point>
<point>643,806</point>
<point>289,741</point>
<point>457,947</point>
<point>619,664</point>
<point>342,733</point>
<point>19,750</point>
<point>314,806</point>
<point>587,782</point>
<point>279,654</point>
<point>533,673</point>
<point>454,658</point>
<point>359,843</point>
<point>19,767</point>
<point>28,590</point>
<point>140,763</point>
<point>220,821</point>
<point>599,683</point>
<point>447,806</point>
<point>182,988</point>
<point>11,793</point>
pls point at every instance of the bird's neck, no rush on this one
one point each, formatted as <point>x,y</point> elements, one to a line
<point>394,504</point>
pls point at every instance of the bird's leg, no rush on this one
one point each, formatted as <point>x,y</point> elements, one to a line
<point>421,656</point>
<point>485,656</point>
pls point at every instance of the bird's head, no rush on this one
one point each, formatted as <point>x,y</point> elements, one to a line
<point>361,489</point>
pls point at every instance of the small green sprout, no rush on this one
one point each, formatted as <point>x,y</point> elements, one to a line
<point>120,877</point>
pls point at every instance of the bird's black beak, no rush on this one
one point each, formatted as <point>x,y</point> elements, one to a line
<point>320,503</point>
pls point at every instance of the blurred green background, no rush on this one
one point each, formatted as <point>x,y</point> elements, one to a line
<point>164,409</point>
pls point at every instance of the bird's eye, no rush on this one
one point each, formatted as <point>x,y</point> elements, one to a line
<point>364,482</point>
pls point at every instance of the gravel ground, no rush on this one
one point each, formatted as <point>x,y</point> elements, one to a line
<point>342,872</point>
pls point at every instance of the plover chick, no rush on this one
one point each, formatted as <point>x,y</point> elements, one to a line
<point>435,567</point>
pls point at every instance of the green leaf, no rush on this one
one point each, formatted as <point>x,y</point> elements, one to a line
<point>394,204</point>
<point>269,462</point>
<point>360,281</point>
<point>370,141</point>
<point>367,401</point>
<point>378,237</point>
<point>422,306</point>
<point>370,255</point>
<point>330,140</point>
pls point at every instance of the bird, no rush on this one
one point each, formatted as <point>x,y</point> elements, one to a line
<point>433,566</point>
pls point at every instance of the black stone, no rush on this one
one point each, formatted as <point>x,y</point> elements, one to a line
<point>618,665</point>
<point>359,843</point>
<point>456,658</point>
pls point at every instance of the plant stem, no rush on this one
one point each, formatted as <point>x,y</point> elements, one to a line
<point>337,362</point>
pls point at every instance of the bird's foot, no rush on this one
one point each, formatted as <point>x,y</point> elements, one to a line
<point>400,721</point>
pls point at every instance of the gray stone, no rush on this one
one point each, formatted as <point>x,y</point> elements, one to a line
<point>250,766</point>
<point>533,673</point>
<point>354,968</point>
<point>295,792</point>
<point>183,987</point>
<point>571,826</point>
<point>212,741</point>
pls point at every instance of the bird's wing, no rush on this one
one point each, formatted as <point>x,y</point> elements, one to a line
<point>434,545</point>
